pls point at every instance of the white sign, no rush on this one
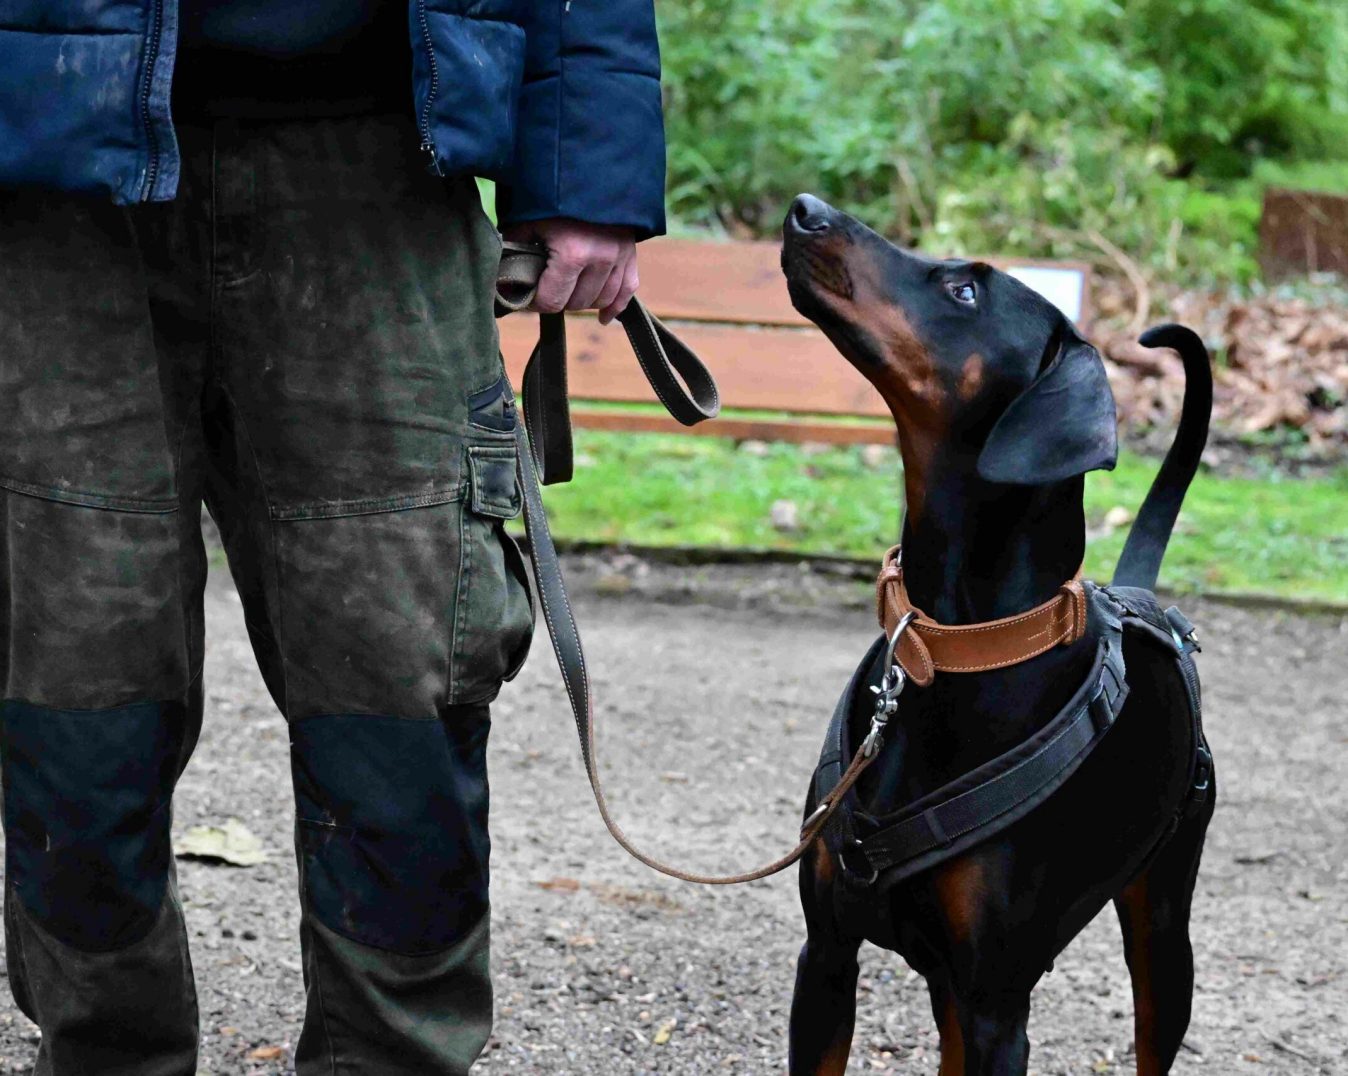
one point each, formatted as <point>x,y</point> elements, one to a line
<point>1064,288</point>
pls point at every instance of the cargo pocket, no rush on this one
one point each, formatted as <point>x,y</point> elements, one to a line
<point>495,612</point>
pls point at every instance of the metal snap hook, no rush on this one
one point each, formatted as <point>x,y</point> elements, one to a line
<point>888,692</point>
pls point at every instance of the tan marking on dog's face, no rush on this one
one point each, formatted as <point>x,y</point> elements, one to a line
<point>825,260</point>
<point>892,357</point>
<point>959,890</point>
<point>972,376</point>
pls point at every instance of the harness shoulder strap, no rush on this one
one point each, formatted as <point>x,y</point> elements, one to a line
<point>1171,629</point>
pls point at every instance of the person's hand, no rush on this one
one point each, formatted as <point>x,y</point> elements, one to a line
<point>590,266</point>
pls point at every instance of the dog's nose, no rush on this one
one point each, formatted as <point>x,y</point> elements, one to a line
<point>810,214</point>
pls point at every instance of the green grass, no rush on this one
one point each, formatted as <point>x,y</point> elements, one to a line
<point>1283,538</point>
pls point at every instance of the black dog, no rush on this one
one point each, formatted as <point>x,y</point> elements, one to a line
<point>1001,408</point>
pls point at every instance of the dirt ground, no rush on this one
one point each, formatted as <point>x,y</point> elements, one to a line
<point>715,685</point>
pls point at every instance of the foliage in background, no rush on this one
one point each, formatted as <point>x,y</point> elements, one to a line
<point>1065,128</point>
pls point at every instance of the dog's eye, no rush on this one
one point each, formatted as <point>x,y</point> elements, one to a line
<point>962,293</point>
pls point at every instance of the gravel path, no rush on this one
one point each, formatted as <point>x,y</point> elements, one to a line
<point>715,685</point>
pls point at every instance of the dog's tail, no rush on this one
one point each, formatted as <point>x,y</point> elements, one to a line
<point>1140,562</point>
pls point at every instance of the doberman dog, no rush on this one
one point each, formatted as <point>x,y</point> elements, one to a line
<point>1001,409</point>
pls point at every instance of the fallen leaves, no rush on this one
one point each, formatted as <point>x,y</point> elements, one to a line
<point>559,885</point>
<point>612,894</point>
<point>1284,366</point>
<point>266,1053</point>
<point>231,842</point>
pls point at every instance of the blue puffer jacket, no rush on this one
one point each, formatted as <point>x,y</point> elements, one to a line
<point>558,100</point>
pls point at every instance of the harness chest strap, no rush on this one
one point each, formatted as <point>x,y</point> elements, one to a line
<point>927,647</point>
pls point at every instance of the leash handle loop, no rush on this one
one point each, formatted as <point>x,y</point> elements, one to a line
<point>680,380</point>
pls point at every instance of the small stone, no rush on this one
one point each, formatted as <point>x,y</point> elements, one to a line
<point>785,515</point>
<point>1117,517</point>
<point>878,456</point>
<point>614,584</point>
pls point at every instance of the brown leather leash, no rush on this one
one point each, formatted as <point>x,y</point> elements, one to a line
<point>546,450</point>
<point>918,646</point>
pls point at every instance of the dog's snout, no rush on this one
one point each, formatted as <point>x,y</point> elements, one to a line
<point>810,214</point>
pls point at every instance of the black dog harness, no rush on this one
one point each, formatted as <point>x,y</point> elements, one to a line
<point>983,802</point>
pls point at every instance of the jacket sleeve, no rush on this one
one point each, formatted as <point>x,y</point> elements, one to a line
<point>590,140</point>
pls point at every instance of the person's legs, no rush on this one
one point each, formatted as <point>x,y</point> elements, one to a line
<point>101,573</point>
<point>365,463</point>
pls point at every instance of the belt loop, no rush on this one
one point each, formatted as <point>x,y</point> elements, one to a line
<point>1102,714</point>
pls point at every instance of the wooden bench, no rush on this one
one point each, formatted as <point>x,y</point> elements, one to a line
<point>728,301</point>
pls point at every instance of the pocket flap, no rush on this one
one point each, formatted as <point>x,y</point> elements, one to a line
<point>495,486</point>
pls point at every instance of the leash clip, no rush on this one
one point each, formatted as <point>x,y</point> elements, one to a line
<point>888,692</point>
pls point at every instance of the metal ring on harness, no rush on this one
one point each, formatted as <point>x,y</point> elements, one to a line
<point>857,848</point>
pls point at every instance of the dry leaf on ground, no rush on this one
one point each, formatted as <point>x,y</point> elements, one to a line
<point>230,842</point>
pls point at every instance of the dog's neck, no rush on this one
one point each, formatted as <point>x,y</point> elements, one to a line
<point>978,551</point>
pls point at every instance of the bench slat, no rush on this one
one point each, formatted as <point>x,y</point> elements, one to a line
<point>760,369</point>
<point>797,431</point>
<point>742,282</point>
<point>700,280</point>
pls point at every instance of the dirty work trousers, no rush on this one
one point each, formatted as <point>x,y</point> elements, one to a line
<point>303,341</point>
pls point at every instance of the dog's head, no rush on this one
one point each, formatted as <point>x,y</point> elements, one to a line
<point>974,365</point>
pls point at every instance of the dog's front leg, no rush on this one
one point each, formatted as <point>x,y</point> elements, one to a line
<point>824,1006</point>
<point>946,1012</point>
<point>992,1035</point>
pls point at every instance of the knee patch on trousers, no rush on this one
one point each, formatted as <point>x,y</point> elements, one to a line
<point>393,826</point>
<point>87,807</point>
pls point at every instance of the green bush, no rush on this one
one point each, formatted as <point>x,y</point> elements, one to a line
<point>1038,127</point>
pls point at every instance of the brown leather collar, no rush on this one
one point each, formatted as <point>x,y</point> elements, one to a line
<point>927,647</point>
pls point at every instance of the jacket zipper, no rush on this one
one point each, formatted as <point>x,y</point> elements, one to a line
<point>151,58</point>
<point>427,146</point>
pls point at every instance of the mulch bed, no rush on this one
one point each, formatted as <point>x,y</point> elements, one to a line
<point>1281,367</point>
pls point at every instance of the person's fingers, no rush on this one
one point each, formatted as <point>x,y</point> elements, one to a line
<point>608,294</point>
<point>558,281</point>
<point>590,282</point>
<point>631,282</point>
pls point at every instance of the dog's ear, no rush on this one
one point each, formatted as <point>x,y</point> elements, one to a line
<point>1062,425</point>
